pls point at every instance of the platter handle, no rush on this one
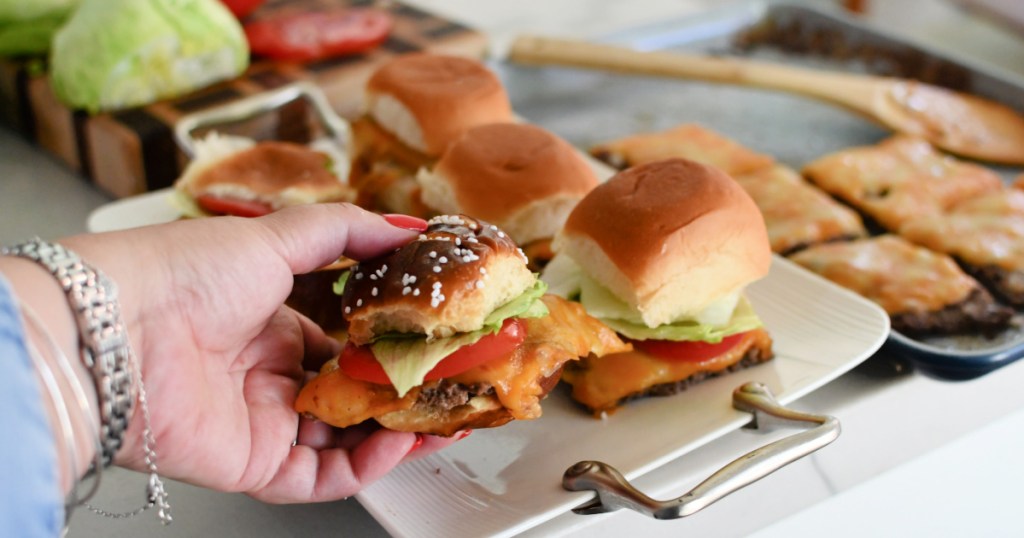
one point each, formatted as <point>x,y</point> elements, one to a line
<point>260,103</point>
<point>615,492</point>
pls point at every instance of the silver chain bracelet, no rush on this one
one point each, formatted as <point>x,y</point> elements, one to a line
<point>107,353</point>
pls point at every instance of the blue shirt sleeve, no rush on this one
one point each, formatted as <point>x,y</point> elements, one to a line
<point>31,502</point>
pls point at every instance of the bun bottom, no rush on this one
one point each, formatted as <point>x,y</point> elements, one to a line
<point>480,412</point>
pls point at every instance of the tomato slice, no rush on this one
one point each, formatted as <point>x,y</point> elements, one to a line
<point>687,351</point>
<point>241,8</point>
<point>359,363</point>
<point>233,206</point>
<point>314,35</point>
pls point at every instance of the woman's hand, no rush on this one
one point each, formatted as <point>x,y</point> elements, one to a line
<point>221,356</point>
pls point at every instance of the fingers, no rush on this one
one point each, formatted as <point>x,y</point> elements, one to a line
<point>314,235</point>
<point>319,348</point>
<point>310,475</point>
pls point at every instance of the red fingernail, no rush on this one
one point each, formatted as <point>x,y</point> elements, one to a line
<point>415,444</point>
<point>407,222</point>
<point>463,434</point>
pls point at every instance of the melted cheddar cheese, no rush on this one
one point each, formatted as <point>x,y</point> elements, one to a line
<point>689,141</point>
<point>899,179</point>
<point>981,231</point>
<point>892,272</point>
<point>565,334</point>
<point>797,213</point>
<point>601,383</point>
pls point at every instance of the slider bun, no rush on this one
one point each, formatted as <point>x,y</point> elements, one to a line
<point>428,100</point>
<point>279,173</point>
<point>447,281</point>
<point>519,176</point>
<point>668,238</point>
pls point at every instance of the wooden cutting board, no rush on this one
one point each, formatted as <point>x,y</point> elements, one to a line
<point>133,151</point>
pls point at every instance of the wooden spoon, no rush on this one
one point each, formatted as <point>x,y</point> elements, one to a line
<point>959,123</point>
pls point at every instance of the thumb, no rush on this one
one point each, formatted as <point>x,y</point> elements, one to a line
<point>311,236</point>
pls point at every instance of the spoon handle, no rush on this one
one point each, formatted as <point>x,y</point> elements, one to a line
<point>852,91</point>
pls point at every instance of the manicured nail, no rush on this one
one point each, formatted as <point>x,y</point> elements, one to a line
<point>415,444</point>
<point>462,435</point>
<point>407,222</point>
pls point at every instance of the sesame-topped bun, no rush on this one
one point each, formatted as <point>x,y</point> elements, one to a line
<point>519,176</point>
<point>428,100</point>
<point>445,282</point>
<point>668,238</point>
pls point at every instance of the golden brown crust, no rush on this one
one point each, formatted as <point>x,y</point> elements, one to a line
<point>445,94</point>
<point>689,141</point>
<point>899,179</point>
<point>889,270</point>
<point>496,170</point>
<point>797,213</point>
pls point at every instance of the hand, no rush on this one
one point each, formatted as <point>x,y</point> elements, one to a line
<point>221,356</point>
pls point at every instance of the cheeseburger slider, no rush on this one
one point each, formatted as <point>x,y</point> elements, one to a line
<point>662,253</point>
<point>233,175</point>
<point>415,106</point>
<point>519,176</point>
<point>450,332</point>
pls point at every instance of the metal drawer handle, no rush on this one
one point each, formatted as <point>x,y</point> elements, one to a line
<point>615,492</point>
<point>260,103</point>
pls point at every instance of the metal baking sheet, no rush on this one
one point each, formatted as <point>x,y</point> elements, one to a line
<point>587,107</point>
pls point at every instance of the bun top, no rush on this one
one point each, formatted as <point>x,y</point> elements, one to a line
<point>278,173</point>
<point>446,281</point>
<point>519,176</point>
<point>428,100</point>
<point>668,238</point>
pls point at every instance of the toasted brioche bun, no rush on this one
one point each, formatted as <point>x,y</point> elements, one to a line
<point>445,282</point>
<point>519,176</point>
<point>280,174</point>
<point>668,238</point>
<point>428,100</point>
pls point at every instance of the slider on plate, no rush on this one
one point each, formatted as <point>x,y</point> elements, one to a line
<point>416,105</point>
<point>662,253</point>
<point>521,177</point>
<point>234,175</point>
<point>450,332</point>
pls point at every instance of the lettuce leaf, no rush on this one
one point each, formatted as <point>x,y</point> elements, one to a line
<point>339,285</point>
<point>408,358</point>
<point>743,319</point>
<point>729,315</point>
<point>114,54</point>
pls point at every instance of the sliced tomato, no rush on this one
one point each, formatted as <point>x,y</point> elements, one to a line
<point>241,8</point>
<point>359,363</point>
<point>687,351</point>
<point>232,206</point>
<point>314,35</point>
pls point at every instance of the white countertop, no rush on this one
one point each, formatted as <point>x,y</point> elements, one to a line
<point>918,456</point>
